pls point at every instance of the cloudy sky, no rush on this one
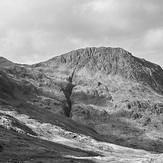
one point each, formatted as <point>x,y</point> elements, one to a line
<point>36,30</point>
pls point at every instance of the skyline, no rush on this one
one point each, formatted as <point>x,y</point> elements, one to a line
<point>32,31</point>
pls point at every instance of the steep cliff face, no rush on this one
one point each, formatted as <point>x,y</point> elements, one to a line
<point>110,61</point>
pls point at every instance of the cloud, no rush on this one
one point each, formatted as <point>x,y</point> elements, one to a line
<point>154,38</point>
<point>36,30</point>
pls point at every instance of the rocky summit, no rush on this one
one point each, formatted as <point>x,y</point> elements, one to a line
<point>89,105</point>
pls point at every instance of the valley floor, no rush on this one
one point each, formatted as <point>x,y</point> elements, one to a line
<point>52,143</point>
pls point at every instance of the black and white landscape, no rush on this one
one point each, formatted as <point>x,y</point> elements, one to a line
<point>93,105</point>
<point>81,81</point>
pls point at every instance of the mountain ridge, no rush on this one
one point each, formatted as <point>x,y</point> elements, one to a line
<point>89,100</point>
<point>111,61</point>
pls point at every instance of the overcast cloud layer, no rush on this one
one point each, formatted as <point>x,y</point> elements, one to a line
<point>36,30</point>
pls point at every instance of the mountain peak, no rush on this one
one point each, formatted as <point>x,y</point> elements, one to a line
<point>110,61</point>
<point>84,55</point>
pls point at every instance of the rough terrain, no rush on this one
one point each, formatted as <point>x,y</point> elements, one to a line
<point>88,105</point>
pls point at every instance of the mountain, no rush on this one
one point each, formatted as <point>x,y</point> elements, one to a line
<point>111,61</point>
<point>88,105</point>
<point>5,62</point>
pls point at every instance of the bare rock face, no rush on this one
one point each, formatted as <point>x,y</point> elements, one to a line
<point>104,92</point>
<point>110,61</point>
<point>113,92</point>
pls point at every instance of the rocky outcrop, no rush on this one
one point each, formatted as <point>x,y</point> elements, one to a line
<point>142,106</point>
<point>110,61</point>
